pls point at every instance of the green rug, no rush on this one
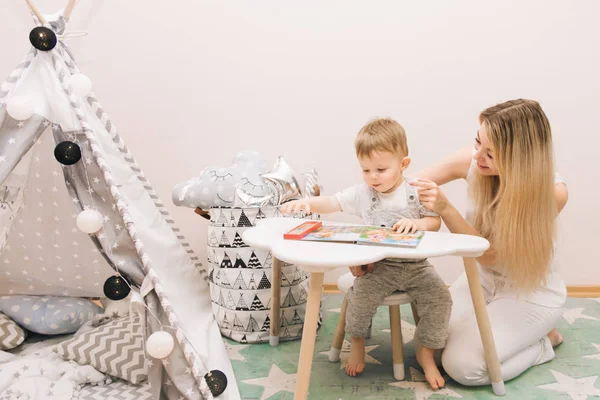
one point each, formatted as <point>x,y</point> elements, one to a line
<point>265,372</point>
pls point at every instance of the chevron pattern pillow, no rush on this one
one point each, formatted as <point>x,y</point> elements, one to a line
<point>110,348</point>
<point>117,390</point>
<point>11,334</point>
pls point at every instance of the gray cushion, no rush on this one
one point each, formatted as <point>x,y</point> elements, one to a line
<point>49,315</point>
<point>110,348</point>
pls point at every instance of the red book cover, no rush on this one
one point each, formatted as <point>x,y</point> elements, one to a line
<point>302,230</point>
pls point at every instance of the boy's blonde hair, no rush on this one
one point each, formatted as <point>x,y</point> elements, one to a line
<point>381,134</point>
<point>516,210</point>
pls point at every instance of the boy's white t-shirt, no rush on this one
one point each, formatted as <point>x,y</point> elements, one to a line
<point>356,199</point>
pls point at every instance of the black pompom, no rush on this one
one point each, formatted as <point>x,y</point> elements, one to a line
<point>67,153</point>
<point>217,382</point>
<point>116,288</point>
<point>42,38</point>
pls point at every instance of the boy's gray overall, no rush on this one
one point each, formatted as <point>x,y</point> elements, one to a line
<point>418,278</point>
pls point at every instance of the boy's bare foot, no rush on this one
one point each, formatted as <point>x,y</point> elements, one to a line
<point>356,360</point>
<point>555,337</point>
<point>427,362</point>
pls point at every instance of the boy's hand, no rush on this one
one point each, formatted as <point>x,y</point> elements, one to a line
<point>361,270</point>
<point>405,225</point>
<point>295,206</point>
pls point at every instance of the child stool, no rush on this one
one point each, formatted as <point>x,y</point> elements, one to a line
<point>394,301</point>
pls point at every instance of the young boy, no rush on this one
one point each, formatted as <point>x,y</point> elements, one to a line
<point>386,199</point>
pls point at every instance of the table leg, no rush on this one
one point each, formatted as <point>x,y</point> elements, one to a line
<point>309,334</point>
<point>275,301</point>
<point>485,329</point>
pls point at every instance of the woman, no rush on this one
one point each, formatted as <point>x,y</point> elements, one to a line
<point>514,198</point>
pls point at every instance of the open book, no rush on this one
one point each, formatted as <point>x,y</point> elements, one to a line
<point>365,235</point>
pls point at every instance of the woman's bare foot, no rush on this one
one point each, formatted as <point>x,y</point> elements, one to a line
<point>555,337</point>
<point>427,362</point>
<point>356,360</point>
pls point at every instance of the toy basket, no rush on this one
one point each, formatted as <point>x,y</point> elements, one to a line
<point>240,279</point>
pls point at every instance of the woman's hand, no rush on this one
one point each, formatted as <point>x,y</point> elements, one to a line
<point>361,270</point>
<point>430,195</point>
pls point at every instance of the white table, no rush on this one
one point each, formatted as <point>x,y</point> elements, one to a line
<point>318,258</point>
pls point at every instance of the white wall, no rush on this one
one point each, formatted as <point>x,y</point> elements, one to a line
<point>188,83</point>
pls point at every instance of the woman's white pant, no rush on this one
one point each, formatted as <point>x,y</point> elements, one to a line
<point>519,330</point>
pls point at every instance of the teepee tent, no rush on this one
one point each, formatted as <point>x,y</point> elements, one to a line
<point>44,253</point>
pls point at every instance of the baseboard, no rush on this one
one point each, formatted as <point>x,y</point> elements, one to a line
<point>572,291</point>
<point>583,291</point>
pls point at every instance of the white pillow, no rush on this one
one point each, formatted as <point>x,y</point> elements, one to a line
<point>116,308</point>
<point>216,185</point>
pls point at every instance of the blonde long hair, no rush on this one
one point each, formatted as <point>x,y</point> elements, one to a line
<point>516,210</point>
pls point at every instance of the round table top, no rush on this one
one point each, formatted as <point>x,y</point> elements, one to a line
<point>322,256</point>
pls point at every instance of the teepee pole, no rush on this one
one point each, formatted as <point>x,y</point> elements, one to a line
<point>34,8</point>
<point>69,9</point>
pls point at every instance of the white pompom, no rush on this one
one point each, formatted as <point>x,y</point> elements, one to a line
<point>81,84</point>
<point>19,107</point>
<point>160,344</point>
<point>89,221</point>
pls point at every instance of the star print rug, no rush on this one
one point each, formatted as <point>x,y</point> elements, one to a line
<point>265,372</point>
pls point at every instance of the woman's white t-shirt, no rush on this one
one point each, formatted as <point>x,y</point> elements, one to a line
<point>553,294</point>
